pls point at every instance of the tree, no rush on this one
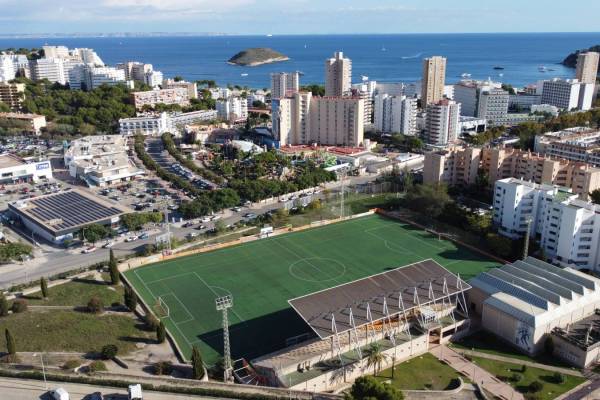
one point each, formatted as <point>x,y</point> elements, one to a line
<point>536,386</point>
<point>428,199</point>
<point>407,180</point>
<point>161,333</point>
<point>375,357</point>
<point>129,298</point>
<point>109,351</point>
<point>595,196</point>
<point>197,364</point>
<point>115,278</point>
<point>500,245</point>
<point>94,232</point>
<point>95,305</point>
<point>3,305</point>
<point>369,388</point>
<point>44,287</point>
<point>11,347</point>
<point>558,378</point>
<point>19,306</point>
<point>549,345</point>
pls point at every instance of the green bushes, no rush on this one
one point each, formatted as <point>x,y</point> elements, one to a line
<point>136,221</point>
<point>95,305</point>
<point>169,144</point>
<point>163,368</point>
<point>19,306</point>
<point>97,366</point>
<point>14,251</point>
<point>109,351</point>
<point>71,364</point>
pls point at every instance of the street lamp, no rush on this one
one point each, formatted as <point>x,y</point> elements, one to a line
<point>43,368</point>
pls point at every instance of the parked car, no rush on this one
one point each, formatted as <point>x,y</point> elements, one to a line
<point>131,238</point>
<point>215,218</point>
<point>192,235</point>
<point>188,224</point>
<point>108,245</point>
<point>144,235</point>
<point>134,392</point>
<point>59,394</point>
<point>236,209</point>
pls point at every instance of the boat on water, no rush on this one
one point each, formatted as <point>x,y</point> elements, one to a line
<point>244,74</point>
<point>498,68</point>
<point>465,75</point>
<point>542,68</point>
<point>500,75</point>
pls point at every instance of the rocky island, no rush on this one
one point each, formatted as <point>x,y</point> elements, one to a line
<point>257,56</point>
<point>571,60</point>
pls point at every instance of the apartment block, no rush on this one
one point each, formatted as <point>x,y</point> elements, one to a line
<point>442,123</point>
<point>232,109</point>
<point>151,98</point>
<point>587,67</point>
<point>455,167</point>
<point>395,114</point>
<point>191,87</point>
<point>433,80</point>
<point>567,228</point>
<point>567,94</point>
<point>576,144</point>
<point>35,122</point>
<point>284,84</point>
<point>12,94</point>
<point>304,119</point>
<point>338,75</point>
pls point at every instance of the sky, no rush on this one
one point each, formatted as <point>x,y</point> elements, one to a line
<point>298,16</point>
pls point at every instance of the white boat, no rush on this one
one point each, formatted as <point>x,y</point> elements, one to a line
<point>383,48</point>
<point>465,75</point>
<point>269,35</point>
<point>542,68</point>
<point>244,74</point>
<point>500,75</point>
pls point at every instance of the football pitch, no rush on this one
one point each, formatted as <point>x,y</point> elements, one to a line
<point>263,275</point>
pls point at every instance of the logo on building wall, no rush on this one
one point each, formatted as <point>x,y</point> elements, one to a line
<point>42,166</point>
<point>524,336</point>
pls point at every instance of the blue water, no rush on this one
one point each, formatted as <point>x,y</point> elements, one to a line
<point>205,57</point>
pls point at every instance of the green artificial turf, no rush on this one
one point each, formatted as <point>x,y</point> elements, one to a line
<point>263,275</point>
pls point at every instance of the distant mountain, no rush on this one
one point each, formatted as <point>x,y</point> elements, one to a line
<point>257,56</point>
<point>571,60</point>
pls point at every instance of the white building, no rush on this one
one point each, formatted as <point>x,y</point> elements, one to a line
<point>587,67</point>
<point>220,93</point>
<point>568,228</point>
<point>7,68</point>
<point>137,71</point>
<point>482,99</point>
<point>83,55</point>
<point>14,169</point>
<point>577,144</point>
<point>567,94</point>
<point>442,123</point>
<point>150,98</point>
<point>88,77</point>
<point>155,125</point>
<point>395,114</point>
<point>284,84</point>
<point>100,160</point>
<point>232,109</point>
<point>338,75</point>
<point>52,69</point>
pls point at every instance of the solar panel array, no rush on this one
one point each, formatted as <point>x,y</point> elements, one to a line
<point>69,209</point>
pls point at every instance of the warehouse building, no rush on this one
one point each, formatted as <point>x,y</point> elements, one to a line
<point>525,302</point>
<point>58,217</point>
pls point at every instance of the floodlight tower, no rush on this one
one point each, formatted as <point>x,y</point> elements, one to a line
<point>223,304</point>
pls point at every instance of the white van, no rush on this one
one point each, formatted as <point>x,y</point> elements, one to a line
<point>135,392</point>
<point>60,394</point>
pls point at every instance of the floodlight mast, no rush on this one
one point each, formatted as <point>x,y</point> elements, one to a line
<point>223,304</point>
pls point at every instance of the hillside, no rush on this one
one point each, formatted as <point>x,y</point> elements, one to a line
<point>257,56</point>
<point>571,60</point>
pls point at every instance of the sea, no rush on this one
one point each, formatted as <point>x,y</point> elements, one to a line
<point>385,58</point>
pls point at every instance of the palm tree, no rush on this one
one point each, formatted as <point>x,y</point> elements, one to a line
<point>375,357</point>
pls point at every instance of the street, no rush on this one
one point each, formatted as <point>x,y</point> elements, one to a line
<point>24,389</point>
<point>57,261</point>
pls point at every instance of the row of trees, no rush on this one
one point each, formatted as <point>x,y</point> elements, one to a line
<point>136,221</point>
<point>170,146</point>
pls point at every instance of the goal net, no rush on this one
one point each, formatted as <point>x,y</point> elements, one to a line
<point>161,309</point>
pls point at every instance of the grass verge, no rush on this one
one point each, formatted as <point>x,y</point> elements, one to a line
<point>424,372</point>
<point>77,293</point>
<point>550,389</point>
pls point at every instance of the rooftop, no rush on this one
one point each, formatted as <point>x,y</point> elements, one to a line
<point>10,160</point>
<point>67,211</point>
<point>400,290</point>
<point>536,292</point>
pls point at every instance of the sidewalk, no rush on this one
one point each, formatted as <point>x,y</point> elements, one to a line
<point>567,371</point>
<point>475,373</point>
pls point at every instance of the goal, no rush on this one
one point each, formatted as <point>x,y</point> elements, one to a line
<point>161,309</point>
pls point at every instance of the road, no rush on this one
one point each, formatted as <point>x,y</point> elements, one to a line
<point>58,261</point>
<point>24,389</point>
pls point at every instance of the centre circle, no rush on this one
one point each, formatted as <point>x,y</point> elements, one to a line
<point>317,269</point>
